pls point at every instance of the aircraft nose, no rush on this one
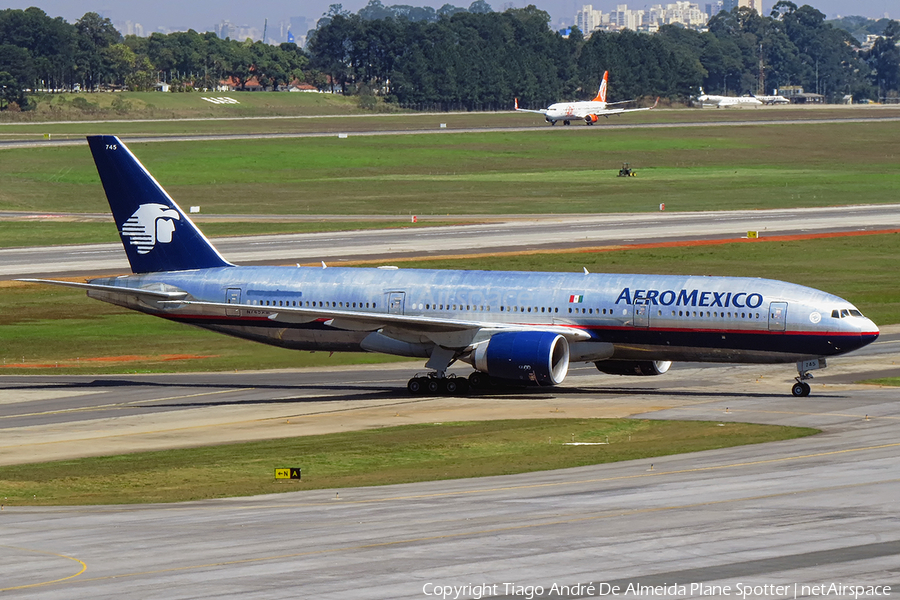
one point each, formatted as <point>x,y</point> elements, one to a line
<point>868,332</point>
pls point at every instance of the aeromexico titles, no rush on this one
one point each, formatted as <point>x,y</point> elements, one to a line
<point>514,328</point>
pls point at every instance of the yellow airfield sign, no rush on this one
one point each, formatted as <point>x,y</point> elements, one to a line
<point>290,473</point>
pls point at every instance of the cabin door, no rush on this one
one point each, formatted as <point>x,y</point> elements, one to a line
<point>233,296</point>
<point>777,316</point>
<point>395,302</point>
<point>642,315</point>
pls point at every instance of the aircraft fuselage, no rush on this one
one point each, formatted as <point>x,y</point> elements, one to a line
<point>627,317</point>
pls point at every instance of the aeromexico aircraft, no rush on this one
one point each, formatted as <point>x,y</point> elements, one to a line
<point>590,112</point>
<point>514,328</point>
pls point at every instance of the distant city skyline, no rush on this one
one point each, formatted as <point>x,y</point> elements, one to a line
<point>205,16</point>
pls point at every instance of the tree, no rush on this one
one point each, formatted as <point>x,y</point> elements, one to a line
<point>10,91</point>
<point>480,7</point>
<point>884,60</point>
<point>93,35</point>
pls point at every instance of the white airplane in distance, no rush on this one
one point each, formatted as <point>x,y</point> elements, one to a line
<point>725,101</point>
<point>590,112</point>
<point>772,99</point>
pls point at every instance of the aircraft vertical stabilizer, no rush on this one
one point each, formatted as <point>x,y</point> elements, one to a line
<point>156,233</point>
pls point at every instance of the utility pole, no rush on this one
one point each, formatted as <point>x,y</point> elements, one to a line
<point>761,80</point>
<point>265,27</point>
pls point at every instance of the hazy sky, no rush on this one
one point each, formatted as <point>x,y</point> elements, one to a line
<point>204,14</point>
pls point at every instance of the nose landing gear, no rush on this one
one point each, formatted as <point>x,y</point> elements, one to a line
<point>801,389</point>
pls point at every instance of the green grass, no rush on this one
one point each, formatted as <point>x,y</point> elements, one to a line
<point>892,381</point>
<point>564,171</point>
<point>41,325</point>
<point>156,105</point>
<point>377,457</point>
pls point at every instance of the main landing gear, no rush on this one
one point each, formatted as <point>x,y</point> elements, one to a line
<point>435,385</point>
<point>801,389</point>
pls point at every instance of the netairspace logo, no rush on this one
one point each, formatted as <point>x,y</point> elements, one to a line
<point>477,591</point>
<point>150,224</point>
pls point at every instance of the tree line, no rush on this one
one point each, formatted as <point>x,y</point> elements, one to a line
<point>460,59</point>
<point>481,61</point>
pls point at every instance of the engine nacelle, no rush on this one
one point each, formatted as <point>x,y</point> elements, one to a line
<point>591,119</point>
<point>633,367</point>
<point>525,357</point>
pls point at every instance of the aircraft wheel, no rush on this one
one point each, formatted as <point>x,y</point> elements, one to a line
<point>478,380</point>
<point>450,386</point>
<point>433,386</point>
<point>414,386</point>
<point>462,387</point>
<point>800,389</point>
<point>565,123</point>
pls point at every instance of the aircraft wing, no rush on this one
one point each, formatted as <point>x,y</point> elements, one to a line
<point>543,111</point>
<point>618,111</point>
<point>435,328</point>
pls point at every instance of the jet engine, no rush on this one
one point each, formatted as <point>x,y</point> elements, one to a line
<point>524,357</point>
<point>591,119</point>
<point>633,367</point>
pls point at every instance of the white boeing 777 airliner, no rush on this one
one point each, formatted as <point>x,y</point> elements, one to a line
<point>514,328</point>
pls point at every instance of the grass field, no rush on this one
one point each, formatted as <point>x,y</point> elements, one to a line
<point>155,105</point>
<point>376,457</point>
<point>560,171</point>
<point>45,329</point>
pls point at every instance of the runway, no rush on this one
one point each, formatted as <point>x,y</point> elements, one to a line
<point>15,144</point>
<point>538,232</point>
<point>813,511</point>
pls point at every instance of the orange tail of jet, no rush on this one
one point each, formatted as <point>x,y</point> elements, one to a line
<point>601,95</point>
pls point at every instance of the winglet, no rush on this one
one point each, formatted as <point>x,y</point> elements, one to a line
<point>517,104</point>
<point>156,233</point>
<point>601,95</point>
<point>655,103</point>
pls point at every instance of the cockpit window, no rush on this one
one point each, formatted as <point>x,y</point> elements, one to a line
<point>845,312</point>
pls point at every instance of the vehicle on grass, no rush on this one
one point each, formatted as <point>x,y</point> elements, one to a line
<point>589,111</point>
<point>514,328</point>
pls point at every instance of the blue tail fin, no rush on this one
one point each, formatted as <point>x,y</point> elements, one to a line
<point>156,233</point>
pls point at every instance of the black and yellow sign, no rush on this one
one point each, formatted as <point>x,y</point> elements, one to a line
<point>292,473</point>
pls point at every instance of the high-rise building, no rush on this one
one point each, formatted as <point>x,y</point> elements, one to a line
<point>728,5</point>
<point>587,19</point>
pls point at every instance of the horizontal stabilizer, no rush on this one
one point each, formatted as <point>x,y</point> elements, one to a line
<point>116,289</point>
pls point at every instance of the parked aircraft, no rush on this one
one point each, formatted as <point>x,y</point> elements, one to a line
<point>590,111</point>
<point>772,99</point>
<point>723,101</point>
<point>514,328</point>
